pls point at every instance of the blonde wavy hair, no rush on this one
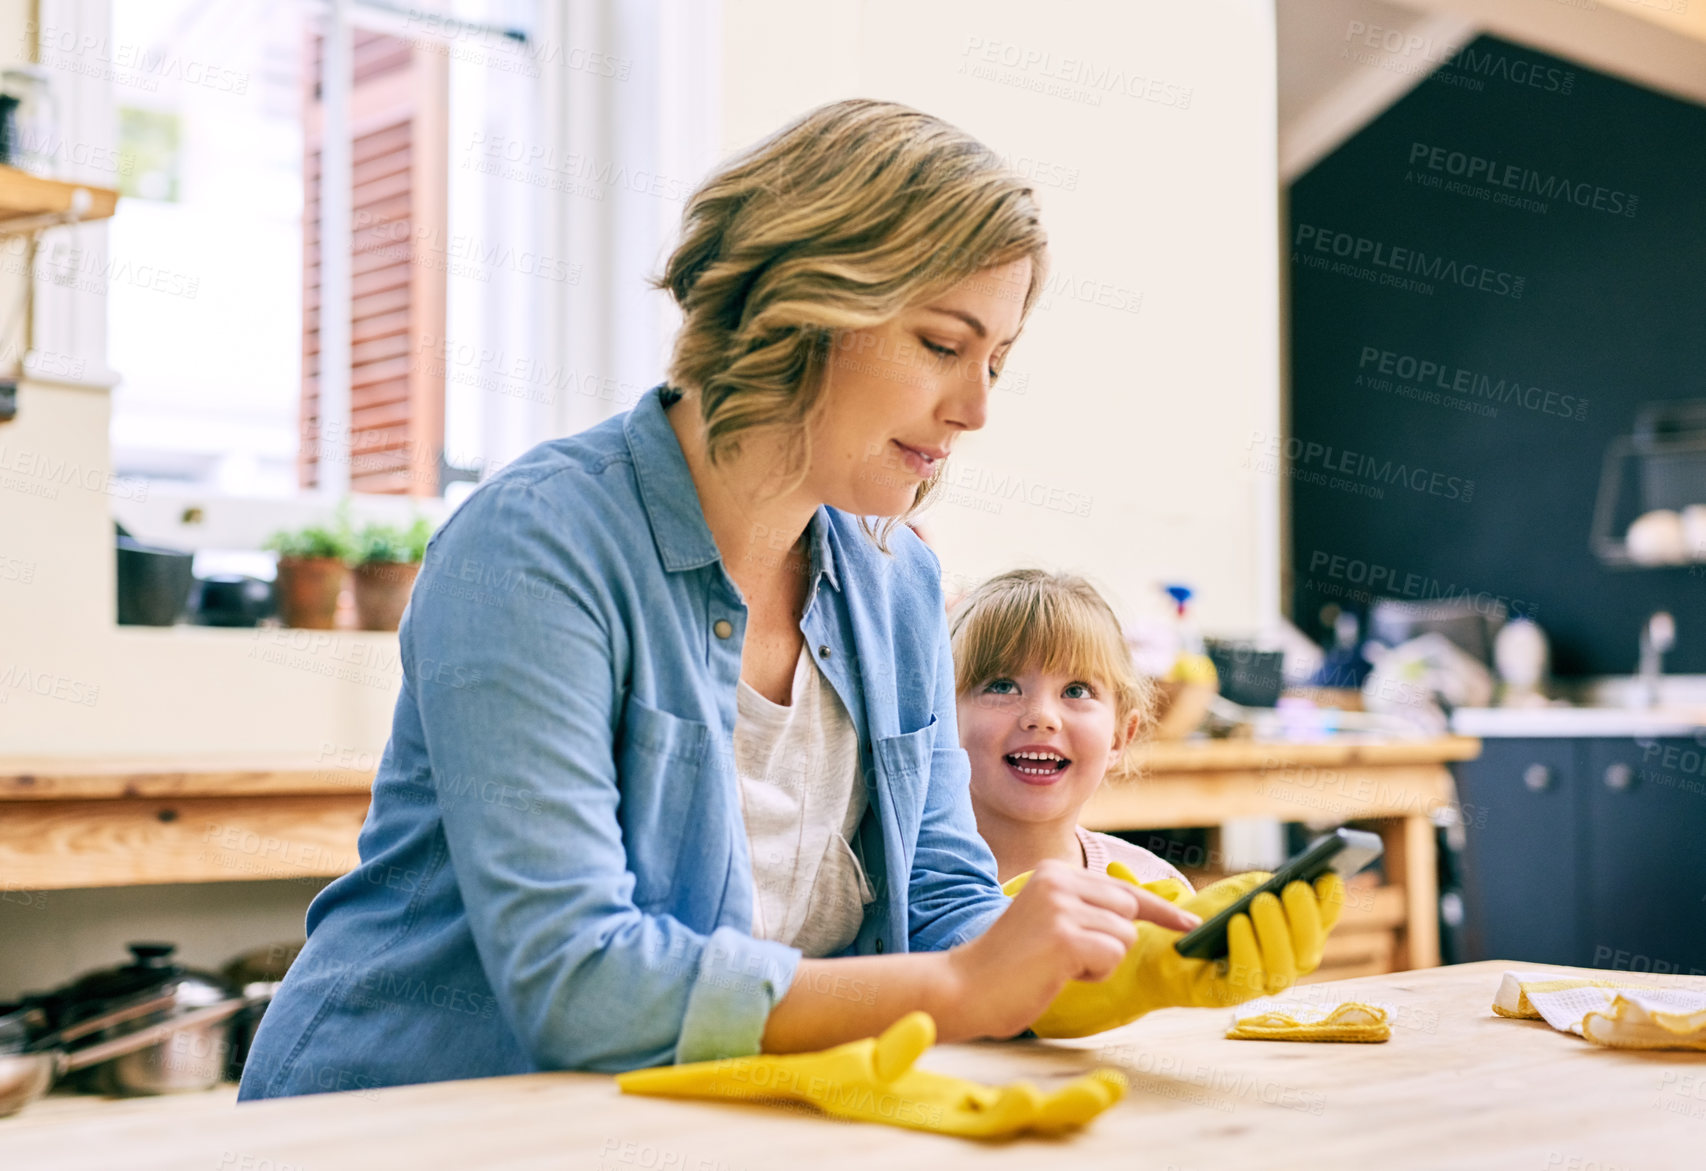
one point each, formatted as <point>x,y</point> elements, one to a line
<point>838,222</point>
<point>1056,623</point>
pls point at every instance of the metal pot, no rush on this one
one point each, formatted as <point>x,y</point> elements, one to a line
<point>153,583</point>
<point>258,973</point>
<point>191,1009</point>
<point>232,599</point>
<point>29,1073</point>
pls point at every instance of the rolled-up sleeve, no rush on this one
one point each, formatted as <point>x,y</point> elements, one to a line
<point>517,662</point>
<point>954,894</point>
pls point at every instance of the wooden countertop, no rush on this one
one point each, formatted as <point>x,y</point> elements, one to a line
<point>1176,756</point>
<point>1455,1087</point>
<point>72,778</point>
<point>64,778</point>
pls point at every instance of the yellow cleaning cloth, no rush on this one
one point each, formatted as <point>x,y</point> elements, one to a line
<point>1276,1019</point>
<point>873,1080</point>
<point>1650,1018</point>
<point>1534,995</point>
<point>1605,1011</point>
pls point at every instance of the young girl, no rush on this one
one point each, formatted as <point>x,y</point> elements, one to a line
<point>1048,703</point>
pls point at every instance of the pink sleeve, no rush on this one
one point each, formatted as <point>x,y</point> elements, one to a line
<point>1101,849</point>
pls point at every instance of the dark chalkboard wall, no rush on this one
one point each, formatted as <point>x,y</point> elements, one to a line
<point>1487,283</point>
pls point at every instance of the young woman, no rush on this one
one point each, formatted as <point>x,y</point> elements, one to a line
<point>674,773</point>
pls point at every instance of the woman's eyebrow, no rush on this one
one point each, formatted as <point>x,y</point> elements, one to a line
<point>969,318</point>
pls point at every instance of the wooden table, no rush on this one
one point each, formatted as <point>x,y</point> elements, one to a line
<point>1398,785</point>
<point>1456,1087</point>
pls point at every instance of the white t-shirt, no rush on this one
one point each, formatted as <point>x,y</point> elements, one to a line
<point>802,797</point>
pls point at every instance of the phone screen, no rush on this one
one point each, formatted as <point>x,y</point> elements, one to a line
<point>1345,851</point>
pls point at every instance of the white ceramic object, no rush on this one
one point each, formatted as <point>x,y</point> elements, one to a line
<point>1656,538</point>
<point>1522,656</point>
<point>1694,531</point>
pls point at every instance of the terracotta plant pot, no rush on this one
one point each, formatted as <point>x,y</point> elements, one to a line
<point>382,592</point>
<point>308,590</point>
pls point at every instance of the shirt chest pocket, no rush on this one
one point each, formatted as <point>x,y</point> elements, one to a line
<point>903,774</point>
<point>659,760</point>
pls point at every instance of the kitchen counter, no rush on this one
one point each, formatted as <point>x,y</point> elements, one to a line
<point>1542,722</point>
<point>1455,1087</point>
<point>1177,756</point>
<point>119,821</point>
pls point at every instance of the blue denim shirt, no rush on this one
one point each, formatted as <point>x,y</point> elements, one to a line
<point>554,871</point>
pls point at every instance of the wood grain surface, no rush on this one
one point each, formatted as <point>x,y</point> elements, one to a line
<point>1455,1087</point>
<point>50,845</point>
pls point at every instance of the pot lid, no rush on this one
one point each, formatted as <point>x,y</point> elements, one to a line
<point>151,972</point>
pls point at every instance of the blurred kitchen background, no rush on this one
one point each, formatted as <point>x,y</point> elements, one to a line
<point>1375,331</point>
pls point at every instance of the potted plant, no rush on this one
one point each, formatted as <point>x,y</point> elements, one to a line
<point>310,574</point>
<point>386,560</point>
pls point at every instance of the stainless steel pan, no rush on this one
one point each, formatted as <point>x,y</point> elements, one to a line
<point>27,1075</point>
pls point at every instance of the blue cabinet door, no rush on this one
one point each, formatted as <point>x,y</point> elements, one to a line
<point>1644,868</point>
<point>1521,878</point>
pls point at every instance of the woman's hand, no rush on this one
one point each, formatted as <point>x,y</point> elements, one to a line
<point>1269,947</point>
<point>1067,923</point>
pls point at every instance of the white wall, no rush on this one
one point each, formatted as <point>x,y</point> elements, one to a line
<point>1167,205</point>
<point>1146,413</point>
<point>1147,195</point>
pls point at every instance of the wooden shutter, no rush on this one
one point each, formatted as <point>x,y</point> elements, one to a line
<point>398,245</point>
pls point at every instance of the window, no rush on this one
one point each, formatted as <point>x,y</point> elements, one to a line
<point>568,137</point>
<point>209,347</point>
<point>221,125</point>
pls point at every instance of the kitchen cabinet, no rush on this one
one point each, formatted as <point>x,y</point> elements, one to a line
<point>1520,865</point>
<point>1585,851</point>
<point>1646,875</point>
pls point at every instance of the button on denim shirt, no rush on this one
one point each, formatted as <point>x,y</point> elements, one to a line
<point>554,870</point>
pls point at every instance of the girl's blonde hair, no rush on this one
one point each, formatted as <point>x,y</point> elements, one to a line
<point>1056,623</point>
<point>837,223</point>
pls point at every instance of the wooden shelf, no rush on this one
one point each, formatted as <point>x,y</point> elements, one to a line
<point>116,820</point>
<point>29,203</point>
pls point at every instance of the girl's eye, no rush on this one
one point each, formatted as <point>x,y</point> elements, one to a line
<point>1085,691</point>
<point>1000,687</point>
<point>939,351</point>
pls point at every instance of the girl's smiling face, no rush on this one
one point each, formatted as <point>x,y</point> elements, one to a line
<point>1039,743</point>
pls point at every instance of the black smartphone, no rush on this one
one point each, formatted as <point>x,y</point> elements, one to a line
<point>1344,850</point>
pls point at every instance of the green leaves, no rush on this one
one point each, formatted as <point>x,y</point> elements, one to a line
<point>313,541</point>
<point>380,542</point>
<point>373,542</point>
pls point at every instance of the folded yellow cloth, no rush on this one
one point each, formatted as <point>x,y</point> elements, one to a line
<point>1650,1018</point>
<point>873,1080</point>
<point>1532,995</point>
<point>1606,1011</point>
<point>1275,1019</point>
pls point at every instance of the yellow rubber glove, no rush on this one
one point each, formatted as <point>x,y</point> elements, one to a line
<point>873,1081</point>
<point>1170,889</point>
<point>1266,956</point>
